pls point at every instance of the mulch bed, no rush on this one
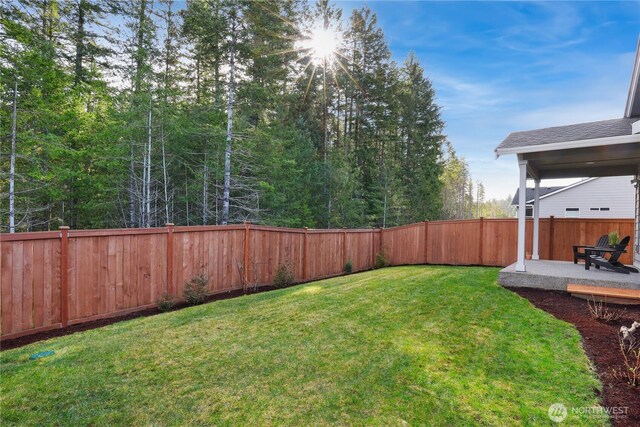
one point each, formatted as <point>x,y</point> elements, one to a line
<point>600,342</point>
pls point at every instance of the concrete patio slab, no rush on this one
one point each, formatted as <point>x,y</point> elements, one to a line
<point>557,275</point>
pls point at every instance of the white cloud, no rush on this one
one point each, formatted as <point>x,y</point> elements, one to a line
<point>462,97</point>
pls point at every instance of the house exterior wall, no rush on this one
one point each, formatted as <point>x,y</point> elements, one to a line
<point>616,193</point>
<point>636,255</point>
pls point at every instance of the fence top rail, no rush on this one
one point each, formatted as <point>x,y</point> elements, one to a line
<point>455,221</point>
<point>400,227</point>
<point>29,235</point>
<point>116,232</point>
<point>542,219</point>
<point>361,230</point>
<point>188,228</point>
<point>42,235</point>
<point>326,231</point>
<point>343,230</point>
<point>594,220</point>
<point>276,229</point>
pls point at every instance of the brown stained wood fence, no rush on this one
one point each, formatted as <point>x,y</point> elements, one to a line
<point>54,279</point>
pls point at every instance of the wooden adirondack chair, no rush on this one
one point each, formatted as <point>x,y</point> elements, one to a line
<point>615,261</point>
<point>612,263</point>
<point>602,242</point>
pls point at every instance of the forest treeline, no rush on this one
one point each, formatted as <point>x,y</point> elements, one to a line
<point>139,113</point>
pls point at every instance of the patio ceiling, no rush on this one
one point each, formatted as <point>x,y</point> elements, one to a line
<point>604,160</point>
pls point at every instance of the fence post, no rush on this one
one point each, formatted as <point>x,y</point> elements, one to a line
<point>304,255</point>
<point>245,261</point>
<point>169,258</point>
<point>481,233</point>
<point>64,276</point>
<point>426,241</point>
<point>551,231</point>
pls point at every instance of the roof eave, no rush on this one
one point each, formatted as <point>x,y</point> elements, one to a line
<point>567,145</point>
<point>633,100</point>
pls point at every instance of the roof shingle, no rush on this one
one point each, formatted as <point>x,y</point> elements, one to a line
<point>529,193</point>
<point>575,132</point>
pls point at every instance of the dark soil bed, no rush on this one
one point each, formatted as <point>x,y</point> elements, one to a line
<point>28,339</point>
<point>600,341</point>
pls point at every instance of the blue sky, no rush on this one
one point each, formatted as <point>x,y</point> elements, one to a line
<point>504,66</point>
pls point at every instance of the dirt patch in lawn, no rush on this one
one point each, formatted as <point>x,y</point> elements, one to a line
<point>40,336</point>
<point>600,341</point>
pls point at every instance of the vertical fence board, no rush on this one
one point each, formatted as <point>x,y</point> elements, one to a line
<point>217,242</point>
<point>73,261</point>
<point>112,267</point>
<point>127,258</point>
<point>83,285</point>
<point>146,271</point>
<point>119,274</point>
<point>57,282</point>
<point>47,280</point>
<point>27,285</point>
<point>100,260</point>
<point>135,267</point>
<point>6,298</point>
<point>92,276</point>
<point>38,283</point>
<point>220,237</point>
<point>17,284</point>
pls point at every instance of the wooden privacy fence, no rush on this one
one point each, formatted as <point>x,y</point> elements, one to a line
<point>58,278</point>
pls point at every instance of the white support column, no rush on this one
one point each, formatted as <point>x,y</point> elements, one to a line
<point>536,220</point>
<point>522,215</point>
<point>636,252</point>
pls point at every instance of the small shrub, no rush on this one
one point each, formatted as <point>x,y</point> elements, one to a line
<point>630,372</point>
<point>600,311</point>
<point>381,260</point>
<point>284,276</point>
<point>613,238</point>
<point>348,267</point>
<point>195,290</point>
<point>165,302</point>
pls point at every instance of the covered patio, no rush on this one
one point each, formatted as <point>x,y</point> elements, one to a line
<point>556,275</point>
<point>612,155</point>
<point>593,149</point>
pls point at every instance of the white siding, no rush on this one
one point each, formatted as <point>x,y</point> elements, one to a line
<point>616,193</point>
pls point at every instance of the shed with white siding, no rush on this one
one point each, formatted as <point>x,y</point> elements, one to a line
<point>601,197</point>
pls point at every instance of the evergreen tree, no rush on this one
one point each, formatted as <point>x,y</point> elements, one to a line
<point>210,112</point>
<point>419,149</point>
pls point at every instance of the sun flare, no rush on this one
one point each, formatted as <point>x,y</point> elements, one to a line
<point>322,45</point>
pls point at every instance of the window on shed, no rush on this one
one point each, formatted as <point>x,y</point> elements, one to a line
<point>572,213</point>
<point>529,211</point>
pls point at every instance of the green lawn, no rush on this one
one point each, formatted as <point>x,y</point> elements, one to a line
<point>399,346</point>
